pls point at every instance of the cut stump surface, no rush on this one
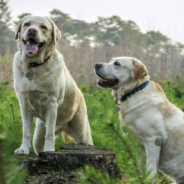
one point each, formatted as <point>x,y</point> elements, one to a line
<point>63,163</point>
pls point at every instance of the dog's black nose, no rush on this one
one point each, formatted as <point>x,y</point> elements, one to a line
<point>32,30</point>
<point>97,65</point>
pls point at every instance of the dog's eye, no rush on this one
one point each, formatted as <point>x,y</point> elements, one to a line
<point>26,24</point>
<point>116,63</point>
<point>43,27</point>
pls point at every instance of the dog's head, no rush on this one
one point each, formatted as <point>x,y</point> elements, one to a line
<point>120,71</point>
<point>35,34</point>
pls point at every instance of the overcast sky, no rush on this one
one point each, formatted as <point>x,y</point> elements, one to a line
<point>164,15</point>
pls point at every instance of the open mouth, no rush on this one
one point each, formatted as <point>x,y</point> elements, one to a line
<point>31,46</point>
<point>106,82</point>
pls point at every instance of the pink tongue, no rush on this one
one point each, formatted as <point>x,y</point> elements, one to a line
<point>101,80</point>
<point>31,48</point>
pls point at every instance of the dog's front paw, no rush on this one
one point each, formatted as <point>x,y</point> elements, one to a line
<point>22,150</point>
<point>49,146</point>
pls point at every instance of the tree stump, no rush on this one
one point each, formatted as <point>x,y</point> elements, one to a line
<point>63,163</point>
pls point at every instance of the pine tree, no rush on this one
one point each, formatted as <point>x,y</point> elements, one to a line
<point>6,34</point>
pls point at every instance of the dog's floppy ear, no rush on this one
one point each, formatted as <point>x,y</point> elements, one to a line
<point>139,70</point>
<point>19,28</point>
<point>56,33</point>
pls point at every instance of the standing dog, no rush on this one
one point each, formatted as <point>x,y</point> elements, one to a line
<point>45,89</point>
<point>145,109</point>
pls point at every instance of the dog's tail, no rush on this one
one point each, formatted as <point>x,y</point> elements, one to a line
<point>66,138</point>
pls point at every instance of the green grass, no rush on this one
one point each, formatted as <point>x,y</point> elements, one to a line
<point>102,117</point>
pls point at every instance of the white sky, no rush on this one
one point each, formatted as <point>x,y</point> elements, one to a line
<point>164,15</point>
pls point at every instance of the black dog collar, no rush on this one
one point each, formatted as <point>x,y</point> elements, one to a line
<point>34,64</point>
<point>139,88</point>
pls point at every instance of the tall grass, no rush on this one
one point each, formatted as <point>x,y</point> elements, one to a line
<point>105,127</point>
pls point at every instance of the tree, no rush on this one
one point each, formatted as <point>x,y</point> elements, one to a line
<point>6,34</point>
<point>107,30</point>
<point>70,28</point>
<point>5,17</point>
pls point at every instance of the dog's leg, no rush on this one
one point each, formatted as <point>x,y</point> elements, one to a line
<point>27,120</point>
<point>50,118</point>
<point>78,128</point>
<point>152,146</point>
<point>39,136</point>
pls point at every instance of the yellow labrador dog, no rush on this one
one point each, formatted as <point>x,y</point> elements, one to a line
<point>45,89</point>
<point>145,109</point>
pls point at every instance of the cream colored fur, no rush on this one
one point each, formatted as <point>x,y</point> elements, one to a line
<point>158,123</point>
<point>51,95</point>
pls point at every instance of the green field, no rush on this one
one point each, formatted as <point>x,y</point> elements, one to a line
<point>105,129</point>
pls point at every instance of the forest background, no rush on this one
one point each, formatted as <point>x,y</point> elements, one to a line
<point>83,44</point>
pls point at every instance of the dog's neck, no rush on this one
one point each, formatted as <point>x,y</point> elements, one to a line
<point>127,87</point>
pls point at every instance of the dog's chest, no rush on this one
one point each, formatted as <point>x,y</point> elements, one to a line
<point>127,120</point>
<point>33,80</point>
<point>36,103</point>
<point>131,110</point>
<point>37,92</point>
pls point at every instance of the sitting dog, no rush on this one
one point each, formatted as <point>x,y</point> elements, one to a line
<point>145,109</point>
<point>45,89</point>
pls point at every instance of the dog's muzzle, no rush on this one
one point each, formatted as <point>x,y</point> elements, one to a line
<point>104,82</point>
<point>31,45</point>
